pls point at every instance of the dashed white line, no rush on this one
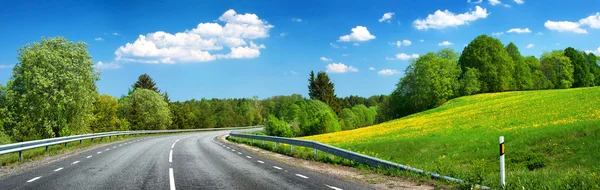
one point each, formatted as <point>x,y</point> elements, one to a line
<point>277,167</point>
<point>228,148</point>
<point>89,156</point>
<point>99,152</point>
<point>232,150</point>
<point>171,179</point>
<point>171,156</point>
<point>260,162</point>
<point>248,157</point>
<point>35,178</point>
<point>114,146</point>
<point>107,149</point>
<point>302,176</point>
<point>332,187</point>
<point>75,162</point>
<point>58,169</point>
<point>239,153</point>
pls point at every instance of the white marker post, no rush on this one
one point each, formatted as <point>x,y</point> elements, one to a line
<point>502,176</point>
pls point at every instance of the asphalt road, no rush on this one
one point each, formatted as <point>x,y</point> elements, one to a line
<point>183,161</point>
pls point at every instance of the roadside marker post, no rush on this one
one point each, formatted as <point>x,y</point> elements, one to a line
<point>502,171</point>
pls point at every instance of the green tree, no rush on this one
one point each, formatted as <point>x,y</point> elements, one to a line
<point>317,118</point>
<point>347,119</point>
<point>145,110</point>
<point>557,68</point>
<point>145,81</point>
<point>276,127</point>
<point>52,90</point>
<point>105,114</point>
<point>539,79</point>
<point>469,83</point>
<point>522,75</point>
<point>582,77</point>
<point>490,58</point>
<point>321,88</point>
<point>592,62</point>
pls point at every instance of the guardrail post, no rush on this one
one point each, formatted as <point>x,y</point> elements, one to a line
<point>263,142</point>
<point>275,145</point>
<point>291,149</point>
<point>20,156</point>
<point>80,141</point>
<point>502,172</point>
<point>66,145</point>
<point>46,149</point>
<point>92,140</point>
<point>315,153</point>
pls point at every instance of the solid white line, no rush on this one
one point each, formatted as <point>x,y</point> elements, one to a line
<point>171,179</point>
<point>58,169</point>
<point>177,140</point>
<point>173,145</point>
<point>89,156</point>
<point>35,178</point>
<point>99,152</point>
<point>277,167</point>
<point>302,176</point>
<point>171,156</point>
<point>75,162</point>
<point>332,187</point>
<point>260,162</point>
<point>239,153</point>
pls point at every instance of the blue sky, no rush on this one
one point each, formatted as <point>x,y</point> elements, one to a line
<point>228,49</point>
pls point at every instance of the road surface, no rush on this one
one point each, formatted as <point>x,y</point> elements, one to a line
<point>182,161</point>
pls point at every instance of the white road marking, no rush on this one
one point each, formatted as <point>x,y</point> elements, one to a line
<point>35,178</point>
<point>89,156</point>
<point>173,145</point>
<point>107,149</point>
<point>332,187</point>
<point>114,146</point>
<point>260,162</point>
<point>75,162</point>
<point>228,148</point>
<point>302,176</point>
<point>99,152</point>
<point>171,179</point>
<point>171,156</point>
<point>177,140</point>
<point>239,153</point>
<point>58,169</point>
<point>277,167</point>
<point>232,150</point>
<point>248,157</point>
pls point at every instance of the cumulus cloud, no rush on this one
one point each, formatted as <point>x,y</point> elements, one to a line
<point>519,1</point>
<point>325,59</point>
<point>98,39</point>
<point>497,33</point>
<point>519,30</point>
<point>530,46</point>
<point>403,57</point>
<point>387,72</point>
<point>476,2</point>
<point>359,34</point>
<point>296,19</point>
<point>445,43</point>
<point>402,43</point>
<point>340,68</point>
<point>387,17</point>
<point>101,65</point>
<point>194,45</point>
<point>597,51</point>
<point>442,19</point>
<point>495,2</point>
<point>565,26</point>
<point>592,21</point>
<point>371,68</point>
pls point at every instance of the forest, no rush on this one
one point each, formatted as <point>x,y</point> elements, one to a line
<point>52,93</point>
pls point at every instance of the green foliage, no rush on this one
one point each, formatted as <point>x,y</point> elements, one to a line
<point>522,75</point>
<point>358,116</point>
<point>276,127</point>
<point>317,118</point>
<point>105,114</point>
<point>592,62</point>
<point>52,90</point>
<point>321,88</point>
<point>582,77</point>
<point>539,79</point>
<point>558,69</point>
<point>469,83</point>
<point>145,110</point>
<point>496,68</point>
<point>145,81</point>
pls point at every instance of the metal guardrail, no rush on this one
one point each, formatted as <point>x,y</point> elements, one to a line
<point>364,159</point>
<point>22,146</point>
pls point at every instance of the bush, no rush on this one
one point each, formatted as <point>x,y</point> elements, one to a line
<point>276,127</point>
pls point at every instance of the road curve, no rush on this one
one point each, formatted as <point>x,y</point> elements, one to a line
<point>181,161</point>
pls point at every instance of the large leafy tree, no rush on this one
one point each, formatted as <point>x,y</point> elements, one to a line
<point>592,62</point>
<point>145,110</point>
<point>557,68</point>
<point>537,76</point>
<point>52,90</point>
<point>582,77</point>
<point>490,58</point>
<point>145,81</point>
<point>105,114</point>
<point>522,75</point>
<point>321,88</point>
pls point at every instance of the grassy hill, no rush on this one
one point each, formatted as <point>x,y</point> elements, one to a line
<point>552,139</point>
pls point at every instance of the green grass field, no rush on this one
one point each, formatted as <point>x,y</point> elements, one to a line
<point>552,139</point>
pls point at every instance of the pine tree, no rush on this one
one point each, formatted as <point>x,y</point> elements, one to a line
<point>145,82</point>
<point>321,88</point>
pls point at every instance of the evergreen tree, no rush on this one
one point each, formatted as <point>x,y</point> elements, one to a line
<point>321,88</point>
<point>145,82</point>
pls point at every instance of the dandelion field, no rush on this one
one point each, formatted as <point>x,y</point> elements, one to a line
<point>552,139</point>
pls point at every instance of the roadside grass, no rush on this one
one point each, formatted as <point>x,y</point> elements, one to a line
<point>552,139</point>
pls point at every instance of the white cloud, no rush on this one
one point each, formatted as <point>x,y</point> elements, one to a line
<point>98,39</point>
<point>530,46</point>
<point>293,72</point>
<point>519,1</point>
<point>402,43</point>
<point>359,34</point>
<point>495,2</point>
<point>403,57</point>
<point>296,19</point>
<point>340,68</point>
<point>442,19</point>
<point>519,30</point>
<point>539,33</point>
<point>115,34</point>
<point>371,68</point>
<point>596,52</point>
<point>476,2</point>
<point>345,55</point>
<point>386,17</point>
<point>7,66</point>
<point>592,21</point>
<point>387,72</point>
<point>421,40</point>
<point>355,44</point>
<point>194,45</point>
<point>497,33</point>
<point>325,59</point>
<point>565,26</point>
<point>334,45</point>
<point>445,43</point>
<point>283,34</point>
<point>100,65</point>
